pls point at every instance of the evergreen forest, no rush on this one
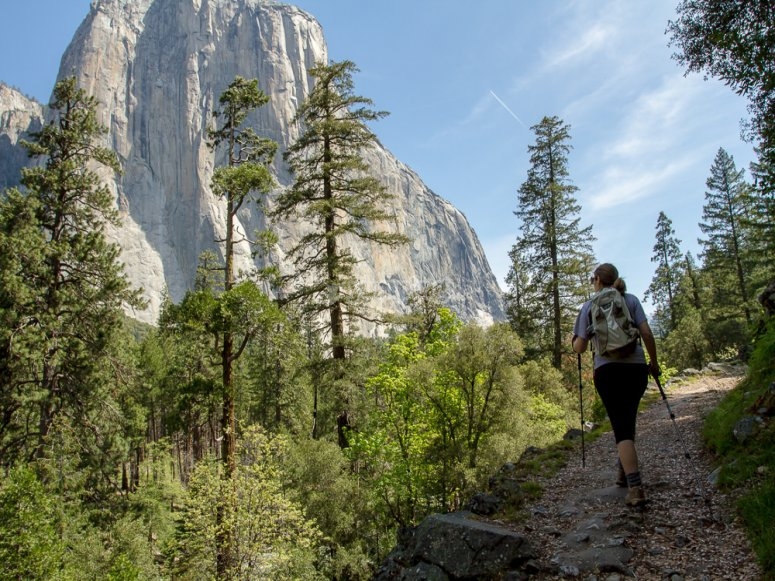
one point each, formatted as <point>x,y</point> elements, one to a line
<point>255,435</point>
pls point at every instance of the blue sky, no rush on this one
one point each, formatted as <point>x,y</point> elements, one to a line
<point>463,83</point>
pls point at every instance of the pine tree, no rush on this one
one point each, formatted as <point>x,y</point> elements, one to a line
<point>62,289</point>
<point>726,249</point>
<point>556,252</point>
<point>244,176</point>
<point>761,222</point>
<point>521,300</point>
<point>335,193</point>
<point>241,309</point>
<point>664,286</point>
<point>735,42</point>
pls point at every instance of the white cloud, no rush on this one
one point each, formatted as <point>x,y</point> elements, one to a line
<point>656,120</point>
<point>623,184</point>
<point>575,48</point>
<point>651,145</point>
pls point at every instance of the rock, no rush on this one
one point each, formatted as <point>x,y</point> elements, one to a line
<point>460,547</point>
<point>485,504</point>
<point>569,511</point>
<point>19,117</point>
<point>681,541</point>
<point>424,572</point>
<point>719,367</point>
<point>746,427</point>
<point>569,570</point>
<point>157,68</point>
<point>572,434</point>
<point>505,485</point>
<point>539,511</point>
<point>767,299</point>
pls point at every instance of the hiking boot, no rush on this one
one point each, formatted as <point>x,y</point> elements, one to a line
<point>635,496</point>
<point>621,478</point>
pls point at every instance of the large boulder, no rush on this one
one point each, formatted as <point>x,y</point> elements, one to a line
<point>457,546</point>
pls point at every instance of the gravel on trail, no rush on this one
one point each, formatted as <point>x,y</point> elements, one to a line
<point>688,529</point>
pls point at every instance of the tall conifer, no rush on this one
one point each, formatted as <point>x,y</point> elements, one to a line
<point>556,250</point>
<point>241,309</point>
<point>726,249</point>
<point>667,255</point>
<point>62,288</point>
<point>335,193</point>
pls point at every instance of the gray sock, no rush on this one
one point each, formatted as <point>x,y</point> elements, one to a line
<point>634,479</point>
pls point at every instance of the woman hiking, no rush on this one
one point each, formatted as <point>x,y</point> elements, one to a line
<point>620,377</point>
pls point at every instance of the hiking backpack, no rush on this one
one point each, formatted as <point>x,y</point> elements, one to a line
<point>613,333</point>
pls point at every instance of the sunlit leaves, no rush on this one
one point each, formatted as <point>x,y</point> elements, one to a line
<point>271,539</point>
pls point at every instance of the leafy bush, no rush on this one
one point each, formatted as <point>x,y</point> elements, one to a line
<point>30,547</point>
<point>686,345</point>
<point>270,538</point>
<point>321,479</point>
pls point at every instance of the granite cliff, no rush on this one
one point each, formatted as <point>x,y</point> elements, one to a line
<point>157,68</point>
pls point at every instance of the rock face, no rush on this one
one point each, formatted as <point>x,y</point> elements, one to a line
<point>19,116</point>
<point>158,67</point>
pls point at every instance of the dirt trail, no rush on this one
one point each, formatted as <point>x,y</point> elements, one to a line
<point>584,531</point>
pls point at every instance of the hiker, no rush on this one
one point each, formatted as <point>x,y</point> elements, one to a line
<point>620,378</point>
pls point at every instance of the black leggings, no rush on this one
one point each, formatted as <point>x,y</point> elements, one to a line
<point>620,387</point>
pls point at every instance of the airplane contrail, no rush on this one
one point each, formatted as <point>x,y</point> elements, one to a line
<point>497,98</point>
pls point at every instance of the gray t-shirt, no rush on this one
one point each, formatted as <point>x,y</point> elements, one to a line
<point>638,316</point>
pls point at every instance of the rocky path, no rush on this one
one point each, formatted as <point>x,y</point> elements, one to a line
<point>583,530</point>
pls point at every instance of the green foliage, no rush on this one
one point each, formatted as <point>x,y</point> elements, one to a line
<point>549,417</point>
<point>756,509</point>
<point>727,250</point>
<point>749,465</point>
<point>178,380</point>
<point>686,345</point>
<point>340,501</point>
<point>336,194</point>
<point>712,314</point>
<point>64,362</point>
<point>733,42</point>
<point>664,286</point>
<point>542,379</point>
<point>552,259</point>
<point>762,363</point>
<point>276,380</point>
<point>397,446</point>
<point>271,539</point>
<point>244,176</point>
<point>30,546</point>
<point>245,173</point>
<point>450,411</point>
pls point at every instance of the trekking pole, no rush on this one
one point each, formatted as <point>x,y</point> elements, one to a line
<point>581,406</point>
<point>698,477</point>
<point>672,417</point>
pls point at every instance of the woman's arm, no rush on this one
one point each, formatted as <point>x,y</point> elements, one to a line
<point>651,347</point>
<point>580,344</point>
